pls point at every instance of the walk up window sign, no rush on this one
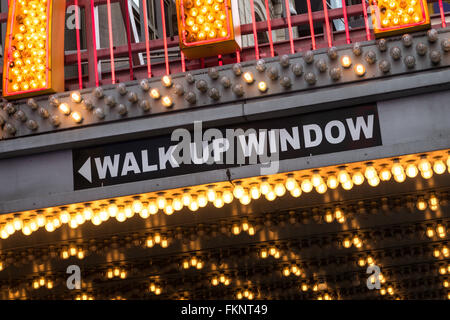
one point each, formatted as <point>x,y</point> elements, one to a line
<point>391,17</point>
<point>208,27</point>
<point>34,57</point>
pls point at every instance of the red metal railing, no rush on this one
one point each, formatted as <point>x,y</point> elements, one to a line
<point>174,64</point>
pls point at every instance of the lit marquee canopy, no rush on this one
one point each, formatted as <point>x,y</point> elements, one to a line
<point>208,27</point>
<point>34,57</point>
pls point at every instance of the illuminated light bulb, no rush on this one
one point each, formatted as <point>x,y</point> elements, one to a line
<point>439,167</point>
<point>214,281</point>
<point>348,185</point>
<point>442,270</point>
<point>322,188</point>
<point>116,272</point>
<point>424,165</point>
<point>137,206</point>
<point>79,217</point>
<point>200,19</point>
<point>161,202</point>
<point>411,170</point>
<point>262,86</point>
<point>265,186</point>
<point>33,225</point>
<point>251,231</point>
<point>374,181</point>
<point>96,219</point>
<point>10,228</point>
<point>167,101</point>
<point>304,287</point>
<point>421,204</point>
<point>427,174</point>
<point>316,179</point>
<point>332,182</point>
<point>248,77</point>
<point>202,200</point>
<point>177,204</point>
<point>245,199</point>
<point>186,199</point>
<point>123,274</point>
<point>346,61</point>
<point>440,229</point>
<point>370,172</point>
<point>445,252</point>
<point>291,183</point>
<point>121,215</point>
<point>397,169</point>
<point>338,213</point>
<point>385,175</point>
<point>236,229</point>
<point>17,223</point>
<point>154,93</point>
<point>238,191</point>
<point>360,70</point>
<point>255,192</point>
<point>211,194</point>
<point>152,206</point>
<point>361,262</point>
<point>286,272</point>
<point>446,285</point>
<point>430,232</point>
<point>64,108</point>
<point>76,97</point>
<point>193,206</point>
<point>271,196</point>
<point>264,254</point>
<point>296,192</point>
<point>80,254</point>
<point>280,189</point>
<point>347,243</point>
<point>343,176</point>
<point>306,185</point>
<point>433,201</point>
<point>358,178</point>
<point>26,230</point>
<point>436,253</point>
<point>168,209</point>
<point>35,284</point>
<point>329,216</point>
<point>166,81</point>
<point>227,196</point>
<point>400,178</point>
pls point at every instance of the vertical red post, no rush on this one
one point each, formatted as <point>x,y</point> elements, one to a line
<point>269,27</point>
<point>238,56</point>
<point>366,20</point>
<point>311,24</point>
<point>130,57</point>
<point>288,16</point>
<point>77,29</point>
<point>147,36</point>
<point>94,43</point>
<point>255,35</point>
<point>347,33</point>
<point>327,23</point>
<point>183,61</point>
<point>441,9</point>
<point>111,42</point>
<point>166,53</point>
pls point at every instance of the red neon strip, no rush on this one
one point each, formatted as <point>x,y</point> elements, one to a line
<point>238,56</point>
<point>311,25</point>
<point>130,59</point>
<point>327,23</point>
<point>166,54</point>
<point>347,33</point>
<point>366,19</point>
<point>147,41</point>
<point>288,16</point>
<point>269,26</point>
<point>111,42</point>
<point>94,40</point>
<point>183,62</point>
<point>77,27</point>
<point>441,9</point>
<point>220,60</point>
<point>255,35</point>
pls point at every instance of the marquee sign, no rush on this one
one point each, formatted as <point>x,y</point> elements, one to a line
<point>34,48</point>
<point>208,27</point>
<point>262,143</point>
<point>391,17</point>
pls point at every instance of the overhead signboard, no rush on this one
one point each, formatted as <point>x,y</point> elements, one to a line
<point>262,142</point>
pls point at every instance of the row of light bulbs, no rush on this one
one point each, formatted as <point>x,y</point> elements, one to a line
<point>193,262</point>
<point>221,279</point>
<point>440,231</point>
<point>220,195</point>
<point>42,282</point>
<point>116,272</point>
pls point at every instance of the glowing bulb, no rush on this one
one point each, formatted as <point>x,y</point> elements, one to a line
<point>374,182</point>
<point>306,186</point>
<point>360,70</point>
<point>322,188</point>
<point>211,194</point>
<point>439,167</point>
<point>385,175</point>
<point>76,116</point>
<point>348,185</point>
<point>76,97</point>
<point>400,178</point>
<point>64,108</point>
<point>227,196</point>
<point>154,93</point>
<point>316,179</point>
<point>411,170</point>
<point>245,199</point>
<point>255,192</point>
<point>280,189</point>
<point>202,200</point>
<point>265,187</point>
<point>248,77</point>
<point>424,165</point>
<point>427,174</point>
<point>332,182</point>
<point>358,178</point>
<point>421,204</point>
<point>238,191</point>
<point>296,192</point>
<point>166,81</point>
<point>291,183</point>
<point>370,172</point>
<point>262,86</point>
<point>346,61</point>
<point>397,169</point>
<point>167,101</point>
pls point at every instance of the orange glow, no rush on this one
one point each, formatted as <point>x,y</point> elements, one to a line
<point>391,17</point>
<point>33,65</point>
